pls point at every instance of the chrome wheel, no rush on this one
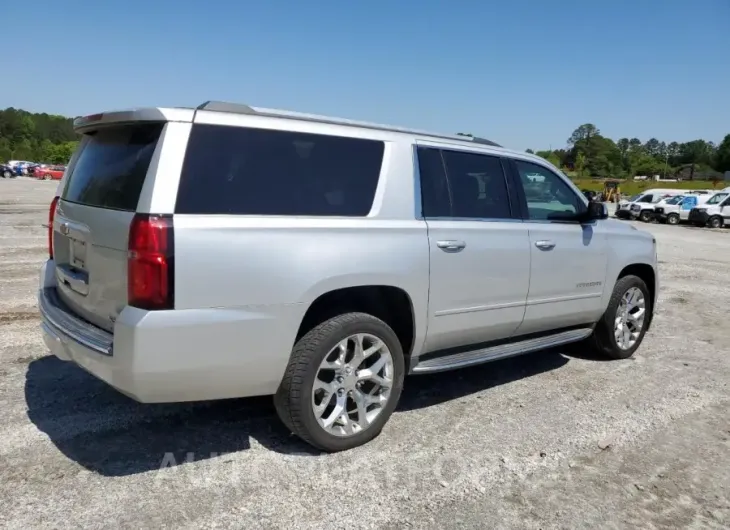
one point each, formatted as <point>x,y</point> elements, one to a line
<point>630,318</point>
<point>353,385</point>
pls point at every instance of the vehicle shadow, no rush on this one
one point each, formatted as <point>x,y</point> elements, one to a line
<point>111,434</point>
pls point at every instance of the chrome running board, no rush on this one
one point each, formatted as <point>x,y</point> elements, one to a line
<point>500,351</point>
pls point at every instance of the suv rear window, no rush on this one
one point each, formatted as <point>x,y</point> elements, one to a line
<point>111,167</point>
<point>245,171</point>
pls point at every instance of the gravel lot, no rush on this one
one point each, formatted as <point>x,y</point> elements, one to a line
<point>549,440</point>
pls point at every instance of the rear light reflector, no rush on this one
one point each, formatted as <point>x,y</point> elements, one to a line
<point>150,262</point>
<point>51,216</point>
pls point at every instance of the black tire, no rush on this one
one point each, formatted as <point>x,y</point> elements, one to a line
<point>645,216</point>
<point>603,340</point>
<point>673,219</point>
<point>7,174</point>
<point>715,222</point>
<point>293,398</point>
<point>46,177</point>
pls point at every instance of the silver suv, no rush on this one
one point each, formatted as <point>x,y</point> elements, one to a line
<point>229,251</point>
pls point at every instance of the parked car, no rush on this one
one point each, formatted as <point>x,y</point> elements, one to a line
<point>624,208</point>
<point>49,172</point>
<point>676,212</point>
<point>7,171</point>
<point>324,261</point>
<point>646,212</point>
<point>714,213</point>
<point>20,166</point>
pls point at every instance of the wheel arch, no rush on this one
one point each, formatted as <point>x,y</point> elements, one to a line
<point>646,272</point>
<point>388,302</point>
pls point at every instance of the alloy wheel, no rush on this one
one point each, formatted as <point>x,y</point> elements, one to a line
<point>352,385</point>
<point>630,318</point>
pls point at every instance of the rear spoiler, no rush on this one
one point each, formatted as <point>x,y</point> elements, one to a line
<point>153,114</point>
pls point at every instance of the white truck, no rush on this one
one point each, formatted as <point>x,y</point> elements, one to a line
<point>634,206</point>
<point>714,213</point>
<point>674,211</point>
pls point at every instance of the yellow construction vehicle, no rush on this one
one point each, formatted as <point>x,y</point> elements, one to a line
<point>611,191</point>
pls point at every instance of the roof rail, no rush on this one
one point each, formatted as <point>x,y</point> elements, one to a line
<point>237,108</point>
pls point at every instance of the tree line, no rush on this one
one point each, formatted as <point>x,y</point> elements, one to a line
<point>34,137</point>
<point>47,138</point>
<point>590,154</point>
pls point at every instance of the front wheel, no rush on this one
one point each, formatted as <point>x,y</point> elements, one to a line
<point>342,383</point>
<point>46,177</point>
<point>621,329</point>
<point>7,174</point>
<point>673,219</point>
<point>715,222</point>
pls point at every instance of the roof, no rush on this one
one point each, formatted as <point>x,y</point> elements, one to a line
<point>237,108</point>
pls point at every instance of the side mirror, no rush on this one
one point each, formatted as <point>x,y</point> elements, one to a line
<point>596,210</point>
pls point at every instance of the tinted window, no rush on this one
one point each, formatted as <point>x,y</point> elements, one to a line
<point>111,168</point>
<point>436,201</point>
<point>477,186</point>
<point>233,170</point>
<point>548,196</point>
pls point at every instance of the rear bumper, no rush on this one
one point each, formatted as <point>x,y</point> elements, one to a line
<point>623,214</point>
<point>174,356</point>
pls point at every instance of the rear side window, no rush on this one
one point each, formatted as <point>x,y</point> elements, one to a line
<point>111,167</point>
<point>244,171</point>
<point>478,185</point>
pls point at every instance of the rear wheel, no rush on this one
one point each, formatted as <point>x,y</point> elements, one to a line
<point>621,329</point>
<point>645,216</point>
<point>715,222</point>
<point>46,177</point>
<point>342,383</point>
<point>673,219</point>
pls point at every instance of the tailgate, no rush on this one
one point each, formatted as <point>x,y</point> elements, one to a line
<point>91,225</point>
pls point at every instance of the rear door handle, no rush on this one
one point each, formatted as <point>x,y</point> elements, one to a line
<point>450,245</point>
<point>544,244</point>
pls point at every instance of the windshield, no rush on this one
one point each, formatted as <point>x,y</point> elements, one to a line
<point>675,200</point>
<point>716,198</point>
<point>634,198</point>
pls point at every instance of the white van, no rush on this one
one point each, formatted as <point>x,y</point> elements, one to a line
<point>643,201</point>
<point>714,213</point>
<point>676,211</point>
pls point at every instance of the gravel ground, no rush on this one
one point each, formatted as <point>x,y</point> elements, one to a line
<point>549,440</point>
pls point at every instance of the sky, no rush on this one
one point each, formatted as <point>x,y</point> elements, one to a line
<point>524,73</point>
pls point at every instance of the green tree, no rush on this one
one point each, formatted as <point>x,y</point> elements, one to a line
<point>583,133</point>
<point>722,155</point>
<point>28,136</point>
<point>580,163</point>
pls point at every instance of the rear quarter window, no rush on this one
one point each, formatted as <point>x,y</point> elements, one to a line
<point>112,165</point>
<point>246,171</point>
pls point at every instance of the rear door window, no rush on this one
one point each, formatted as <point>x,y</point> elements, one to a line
<point>246,171</point>
<point>112,165</point>
<point>477,184</point>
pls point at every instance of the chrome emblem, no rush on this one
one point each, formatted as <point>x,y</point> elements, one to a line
<point>64,229</point>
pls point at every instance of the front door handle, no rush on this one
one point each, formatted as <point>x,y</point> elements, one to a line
<point>544,244</point>
<point>450,245</point>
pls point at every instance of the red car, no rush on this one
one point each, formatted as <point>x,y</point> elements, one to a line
<point>49,172</point>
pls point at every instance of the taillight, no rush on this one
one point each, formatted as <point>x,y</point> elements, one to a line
<point>150,262</point>
<point>51,215</point>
